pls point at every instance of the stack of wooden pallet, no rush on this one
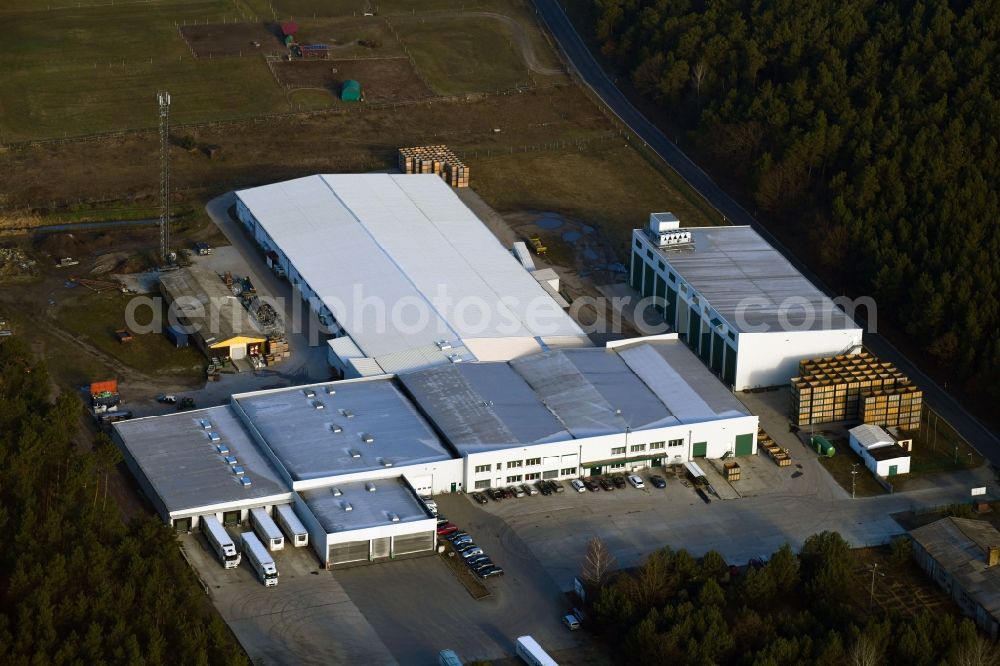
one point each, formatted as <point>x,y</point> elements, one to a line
<point>277,349</point>
<point>778,455</point>
<point>836,388</point>
<point>732,469</point>
<point>438,160</point>
<point>896,407</point>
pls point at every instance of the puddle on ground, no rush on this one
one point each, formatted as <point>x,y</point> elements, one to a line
<point>572,236</point>
<point>587,229</point>
<point>550,221</point>
<point>589,254</point>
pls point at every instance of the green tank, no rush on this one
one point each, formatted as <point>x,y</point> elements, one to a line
<point>823,446</point>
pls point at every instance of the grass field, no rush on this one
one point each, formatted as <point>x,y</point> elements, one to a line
<point>94,317</point>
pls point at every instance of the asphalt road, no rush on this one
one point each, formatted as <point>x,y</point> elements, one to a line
<point>593,76</point>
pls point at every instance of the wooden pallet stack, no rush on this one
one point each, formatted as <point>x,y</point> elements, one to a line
<point>439,160</point>
<point>732,470</point>
<point>779,455</point>
<point>836,388</point>
<point>277,349</point>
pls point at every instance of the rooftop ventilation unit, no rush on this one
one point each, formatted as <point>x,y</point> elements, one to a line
<point>367,438</point>
<point>310,393</point>
<point>355,453</point>
<point>454,358</point>
<point>245,481</point>
<point>393,517</point>
<point>347,506</point>
<point>386,462</point>
<point>317,404</point>
<point>665,230</point>
<point>335,428</point>
<point>230,460</point>
<point>370,487</point>
<point>214,437</point>
<point>331,391</point>
<point>222,449</point>
<point>443,344</point>
<point>347,413</point>
<point>238,470</point>
<point>205,424</point>
<point>336,492</point>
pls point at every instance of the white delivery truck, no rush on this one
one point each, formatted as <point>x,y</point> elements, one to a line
<point>220,541</point>
<point>531,652</point>
<point>260,560</point>
<point>291,524</point>
<point>265,528</point>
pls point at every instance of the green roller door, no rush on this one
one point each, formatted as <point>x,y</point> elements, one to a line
<point>717,347</point>
<point>671,313</point>
<point>636,281</point>
<point>744,445</point>
<point>647,282</point>
<point>706,345</point>
<point>729,371</point>
<point>694,327</point>
<point>659,293</point>
<point>699,449</point>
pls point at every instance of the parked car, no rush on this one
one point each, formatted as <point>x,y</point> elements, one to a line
<point>516,491</point>
<point>454,536</point>
<point>446,529</point>
<point>571,622</point>
<point>462,540</point>
<point>507,493</point>
<point>530,489</point>
<point>544,487</point>
<point>431,505</point>
<point>618,480</point>
<point>636,481</point>
<point>495,494</point>
<point>167,399</point>
<point>479,497</point>
<point>578,486</point>
<point>470,552</point>
<point>490,572</point>
<point>556,486</point>
<point>658,481</point>
<point>479,560</point>
<point>592,485</point>
<point>606,484</point>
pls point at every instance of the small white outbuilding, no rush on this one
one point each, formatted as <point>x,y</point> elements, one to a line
<point>882,455</point>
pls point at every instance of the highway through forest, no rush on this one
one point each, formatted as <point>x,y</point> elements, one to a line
<point>592,75</point>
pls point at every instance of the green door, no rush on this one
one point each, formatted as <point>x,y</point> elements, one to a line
<point>729,371</point>
<point>659,293</point>
<point>647,281</point>
<point>671,313</point>
<point>744,445</point>
<point>184,524</point>
<point>706,345</point>
<point>717,345</point>
<point>596,471</point>
<point>694,328</point>
<point>893,470</point>
<point>699,449</point>
<point>454,486</point>
<point>636,282</point>
<point>656,462</point>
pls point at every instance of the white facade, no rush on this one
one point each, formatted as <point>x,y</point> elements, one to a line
<point>742,307</point>
<point>879,451</point>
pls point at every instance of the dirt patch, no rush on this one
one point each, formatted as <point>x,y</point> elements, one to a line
<point>383,79</point>
<point>233,39</point>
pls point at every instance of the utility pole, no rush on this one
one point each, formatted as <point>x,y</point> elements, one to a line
<point>854,478</point>
<point>163,99</point>
<point>871,593</point>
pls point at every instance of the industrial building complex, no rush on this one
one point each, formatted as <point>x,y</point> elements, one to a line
<point>352,456</point>
<point>740,305</point>
<point>402,273</point>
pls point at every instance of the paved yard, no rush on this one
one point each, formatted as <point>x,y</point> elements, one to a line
<point>307,619</point>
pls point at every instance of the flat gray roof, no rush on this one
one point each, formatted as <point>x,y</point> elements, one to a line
<point>728,265</point>
<point>568,394</point>
<point>303,437</point>
<point>368,508</point>
<point>182,464</point>
<point>221,316</point>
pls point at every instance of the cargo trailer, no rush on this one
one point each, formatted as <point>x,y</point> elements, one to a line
<point>266,529</point>
<point>220,541</point>
<point>291,525</point>
<point>260,560</point>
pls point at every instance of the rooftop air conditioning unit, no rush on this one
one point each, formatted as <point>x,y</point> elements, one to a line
<point>205,424</point>
<point>317,404</point>
<point>331,391</point>
<point>347,413</point>
<point>347,506</point>
<point>370,487</point>
<point>335,428</point>
<point>443,344</point>
<point>245,481</point>
<point>310,393</point>
<point>367,438</point>
<point>238,470</point>
<point>214,437</point>
<point>336,492</point>
<point>231,460</point>
<point>222,449</point>
<point>355,453</point>
<point>386,462</point>
<point>393,517</point>
<point>454,358</point>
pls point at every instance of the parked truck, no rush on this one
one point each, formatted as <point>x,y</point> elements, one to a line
<point>266,529</point>
<point>220,541</point>
<point>260,560</point>
<point>292,526</point>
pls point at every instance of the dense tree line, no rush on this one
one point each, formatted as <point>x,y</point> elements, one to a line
<point>874,124</point>
<point>78,584</point>
<point>674,609</point>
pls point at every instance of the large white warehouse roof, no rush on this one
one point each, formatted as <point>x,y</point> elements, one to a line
<point>409,245</point>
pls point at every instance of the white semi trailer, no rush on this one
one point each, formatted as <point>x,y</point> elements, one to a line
<point>220,541</point>
<point>291,524</point>
<point>265,528</point>
<point>260,560</point>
